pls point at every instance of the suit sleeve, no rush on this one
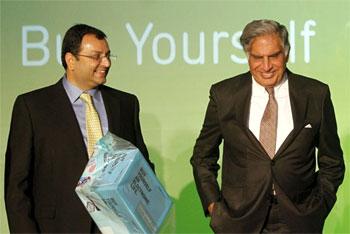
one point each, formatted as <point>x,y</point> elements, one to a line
<point>330,155</point>
<point>206,154</point>
<point>140,144</point>
<point>18,167</point>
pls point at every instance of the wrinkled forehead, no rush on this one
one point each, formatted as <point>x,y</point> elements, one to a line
<point>266,40</point>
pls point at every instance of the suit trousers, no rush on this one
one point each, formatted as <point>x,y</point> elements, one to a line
<point>274,223</point>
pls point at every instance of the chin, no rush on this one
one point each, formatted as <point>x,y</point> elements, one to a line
<point>103,82</point>
<point>99,82</point>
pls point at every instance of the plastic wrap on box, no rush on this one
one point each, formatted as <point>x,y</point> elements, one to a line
<point>120,191</point>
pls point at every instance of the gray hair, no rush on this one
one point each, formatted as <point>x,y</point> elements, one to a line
<point>262,27</point>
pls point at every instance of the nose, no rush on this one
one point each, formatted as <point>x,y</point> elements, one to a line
<point>106,61</point>
<point>266,64</point>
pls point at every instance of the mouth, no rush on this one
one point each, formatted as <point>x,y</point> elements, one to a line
<point>102,73</point>
<point>267,75</point>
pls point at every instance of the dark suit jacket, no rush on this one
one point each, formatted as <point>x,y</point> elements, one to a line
<point>305,195</point>
<point>46,156</point>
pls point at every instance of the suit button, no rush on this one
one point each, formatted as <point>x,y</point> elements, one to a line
<point>272,162</point>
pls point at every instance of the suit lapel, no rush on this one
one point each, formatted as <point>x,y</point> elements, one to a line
<point>66,118</point>
<point>242,104</point>
<point>242,110</point>
<point>299,102</point>
<point>113,106</point>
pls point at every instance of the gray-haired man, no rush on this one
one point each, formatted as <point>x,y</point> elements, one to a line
<point>271,121</point>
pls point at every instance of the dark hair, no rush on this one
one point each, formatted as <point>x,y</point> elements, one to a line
<point>73,37</point>
<point>262,27</point>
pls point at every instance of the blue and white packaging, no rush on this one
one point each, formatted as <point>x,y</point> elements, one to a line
<point>120,191</point>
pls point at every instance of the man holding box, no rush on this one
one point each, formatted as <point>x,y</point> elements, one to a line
<point>52,134</point>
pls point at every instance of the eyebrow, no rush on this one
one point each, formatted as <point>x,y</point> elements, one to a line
<point>271,55</point>
<point>100,52</point>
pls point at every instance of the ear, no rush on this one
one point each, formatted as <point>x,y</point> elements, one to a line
<point>287,58</point>
<point>70,60</point>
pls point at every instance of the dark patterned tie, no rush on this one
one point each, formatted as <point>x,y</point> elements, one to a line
<point>268,126</point>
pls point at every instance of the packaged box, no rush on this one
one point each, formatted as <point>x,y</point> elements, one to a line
<point>120,191</point>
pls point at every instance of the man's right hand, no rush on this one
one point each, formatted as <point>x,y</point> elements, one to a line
<point>210,208</point>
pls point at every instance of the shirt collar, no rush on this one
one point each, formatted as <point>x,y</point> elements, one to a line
<point>259,90</point>
<point>74,92</point>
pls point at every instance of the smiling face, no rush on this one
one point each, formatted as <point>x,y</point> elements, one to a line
<point>90,67</point>
<point>267,60</point>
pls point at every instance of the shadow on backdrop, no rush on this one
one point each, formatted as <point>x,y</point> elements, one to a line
<point>342,206</point>
<point>190,216</point>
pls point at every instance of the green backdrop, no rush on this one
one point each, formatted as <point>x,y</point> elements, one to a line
<point>169,53</point>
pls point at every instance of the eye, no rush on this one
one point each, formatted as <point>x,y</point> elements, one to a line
<point>256,57</point>
<point>96,56</point>
<point>275,55</point>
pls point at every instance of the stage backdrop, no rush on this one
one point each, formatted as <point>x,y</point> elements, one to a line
<point>169,53</point>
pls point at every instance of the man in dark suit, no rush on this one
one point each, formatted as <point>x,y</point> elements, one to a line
<point>271,122</point>
<point>47,153</point>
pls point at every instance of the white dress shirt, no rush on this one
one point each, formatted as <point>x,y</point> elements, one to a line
<point>258,103</point>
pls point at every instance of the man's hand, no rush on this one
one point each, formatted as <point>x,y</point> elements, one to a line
<point>210,208</point>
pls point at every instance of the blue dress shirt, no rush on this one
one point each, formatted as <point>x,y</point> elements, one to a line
<point>78,105</point>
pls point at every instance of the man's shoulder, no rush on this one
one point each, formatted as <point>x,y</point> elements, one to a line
<point>234,82</point>
<point>43,93</point>
<point>305,82</point>
<point>116,93</point>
